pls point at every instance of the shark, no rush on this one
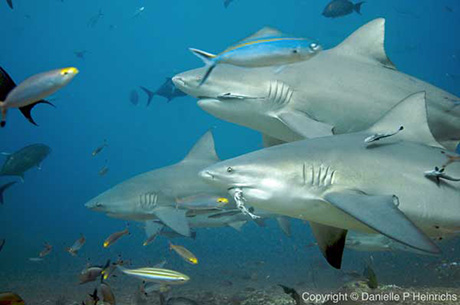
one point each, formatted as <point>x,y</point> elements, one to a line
<point>155,194</point>
<point>339,90</point>
<point>378,180</point>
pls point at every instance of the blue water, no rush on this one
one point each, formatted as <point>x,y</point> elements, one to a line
<point>126,52</point>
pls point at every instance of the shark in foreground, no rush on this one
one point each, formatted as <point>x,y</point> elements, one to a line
<point>379,180</point>
<point>339,90</point>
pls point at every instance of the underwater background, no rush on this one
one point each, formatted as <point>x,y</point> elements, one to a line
<point>126,50</point>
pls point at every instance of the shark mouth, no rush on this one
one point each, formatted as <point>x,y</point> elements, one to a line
<point>238,196</point>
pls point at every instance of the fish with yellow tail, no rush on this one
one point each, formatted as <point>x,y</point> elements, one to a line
<point>115,237</point>
<point>188,256</point>
<point>31,91</point>
<point>77,245</point>
<point>157,275</point>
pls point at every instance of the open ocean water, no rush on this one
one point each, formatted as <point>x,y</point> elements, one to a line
<point>119,46</point>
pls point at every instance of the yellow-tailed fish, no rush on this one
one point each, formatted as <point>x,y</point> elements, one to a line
<point>107,295</point>
<point>150,240</point>
<point>188,256</point>
<point>157,275</point>
<point>46,250</point>
<point>202,202</point>
<point>115,237</point>
<point>78,244</point>
<point>31,91</point>
<point>99,148</point>
<point>10,298</point>
<point>90,274</point>
<point>267,47</point>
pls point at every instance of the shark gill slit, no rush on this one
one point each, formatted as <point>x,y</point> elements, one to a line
<point>322,176</point>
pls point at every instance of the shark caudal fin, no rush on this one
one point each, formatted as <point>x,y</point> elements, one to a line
<point>367,44</point>
<point>203,150</point>
<point>209,61</point>
<point>150,94</point>
<point>410,115</point>
<point>3,188</point>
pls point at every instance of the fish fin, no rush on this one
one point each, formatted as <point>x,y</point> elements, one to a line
<point>331,242</point>
<point>305,126</point>
<point>26,110</point>
<point>264,32</point>
<point>269,141</point>
<point>10,3</point>
<point>285,225</point>
<point>206,57</point>
<point>203,150</point>
<point>237,225</point>
<point>6,84</point>
<point>367,43</point>
<point>175,219</point>
<point>357,7</point>
<point>152,227</point>
<point>150,94</point>
<point>411,113</point>
<point>380,213</point>
<point>3,188</point>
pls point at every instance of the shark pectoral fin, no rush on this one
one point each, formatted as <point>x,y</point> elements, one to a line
<point>237,225</point>
<point>331,242</point>
<point>380,213</point>
<point>174,218</point>
<point>410,113</point>
<point>285,225</point>
<point>367,44</point>
<point>305,126</point>
<point>152,227</point>
<point>26,110</point>
<point>270,141</point>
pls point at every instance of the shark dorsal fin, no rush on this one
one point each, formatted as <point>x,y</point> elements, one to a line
<point>367,43</point>
<point>203,150</point>
<point>265,32</point>
<point>411,114</point>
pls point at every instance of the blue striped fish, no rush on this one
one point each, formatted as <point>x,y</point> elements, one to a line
<point>267,47</point>
<point>157,275</point>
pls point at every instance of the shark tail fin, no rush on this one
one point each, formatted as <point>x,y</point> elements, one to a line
<point>209,61</point>
<point>3,188</point>
<point>26,110</point>
<point>357,7</point>
<point>150,94</point>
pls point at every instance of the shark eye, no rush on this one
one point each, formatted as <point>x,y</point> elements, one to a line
<point>229,170</point>
<point>99,204</point>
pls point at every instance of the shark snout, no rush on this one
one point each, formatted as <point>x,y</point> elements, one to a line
<point>94,205</point>
<point>206,175</point>
<point>179,81</point>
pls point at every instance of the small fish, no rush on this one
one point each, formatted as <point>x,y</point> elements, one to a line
<point>10,298</point>
<point>104,170</point>
<point>35,259</point>
<point>157,275</point>
<point>107,295</point>
<point>34,89</point>
<point>3,188</point>
<point>150,240</point>
<point>134,97</point>
<point>138,12</point>
<point>115,237</point>
<point>188,256</point>
<point>202,201</point>
<point>167,90</point>
<point>90,274</point>
<point>92,22</point>
<point>2,244</point>
<point>99,148</point>
<point>267,47</point>
<point>109,269</point>
<point>17,163</point>
<point>293,294</point>
<point>10,3</point>
<point>46,250</point>
<point>78,244</point>
<point>339,8</point>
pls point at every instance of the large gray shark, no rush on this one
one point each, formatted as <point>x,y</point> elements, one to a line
<point>340,90</point>
<point>384,180</point>
<point>155,194</point>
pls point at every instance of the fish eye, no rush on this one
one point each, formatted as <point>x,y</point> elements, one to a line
<point>295,51</point>
<point>229,169</point>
